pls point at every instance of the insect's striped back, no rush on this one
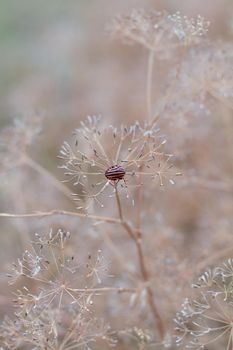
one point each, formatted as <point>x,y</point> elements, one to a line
<point>115,172</point>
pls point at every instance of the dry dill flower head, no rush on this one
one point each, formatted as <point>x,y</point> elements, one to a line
<point>206,321</point>
<point>145,28</point>
<point>57,273</point>
<point>51,328</point>
<point>103,157</point>
<point>187,29</point>
<point>54,308</point>
<point>158,31</point>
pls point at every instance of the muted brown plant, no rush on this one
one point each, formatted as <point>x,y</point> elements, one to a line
<point>140,234</point>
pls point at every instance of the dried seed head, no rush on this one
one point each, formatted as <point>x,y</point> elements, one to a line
<point>105,153</point>
<point>207,318</point>
<point>55,308</point>
<point>158,31</point>
<point>189,29</point>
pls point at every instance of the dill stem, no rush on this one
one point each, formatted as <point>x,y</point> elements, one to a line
<point>149,84</point>
<point>104,289</point>
<point>41,214</point>
<point>139,201</point>
<point>136,236</point>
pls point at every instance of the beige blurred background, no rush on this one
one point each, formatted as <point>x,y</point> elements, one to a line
<point>58,61</point>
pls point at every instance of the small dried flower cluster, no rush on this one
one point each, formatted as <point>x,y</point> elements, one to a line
<point>49,328</point>
<point>156,30</point>
<point>211,73</point>
<point>145,28</point>
<point>203,80</point>
<point>54,308</point>
<point>104,155</point>
<point>47,264</point>
<point>189,29</point>
<point>207,320</point>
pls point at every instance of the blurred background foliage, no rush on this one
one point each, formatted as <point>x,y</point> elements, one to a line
<point>56,56</point>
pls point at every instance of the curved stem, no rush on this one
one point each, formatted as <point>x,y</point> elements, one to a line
<point>135,235</point>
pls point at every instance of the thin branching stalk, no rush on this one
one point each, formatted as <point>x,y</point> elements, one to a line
<point>136,236</point>
<point>226,107</point>
<point>41,214</point>
<point>104,289</point>
<point>139,197</point>
<point>149,84</point>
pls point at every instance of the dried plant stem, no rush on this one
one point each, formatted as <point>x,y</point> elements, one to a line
<point>139,204</point>
<point>153,48</point>
<point>60,212</point>
<point>105,289</point>
<point>149,84</point>
<point>135,235</point>
<point>226,106</point>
